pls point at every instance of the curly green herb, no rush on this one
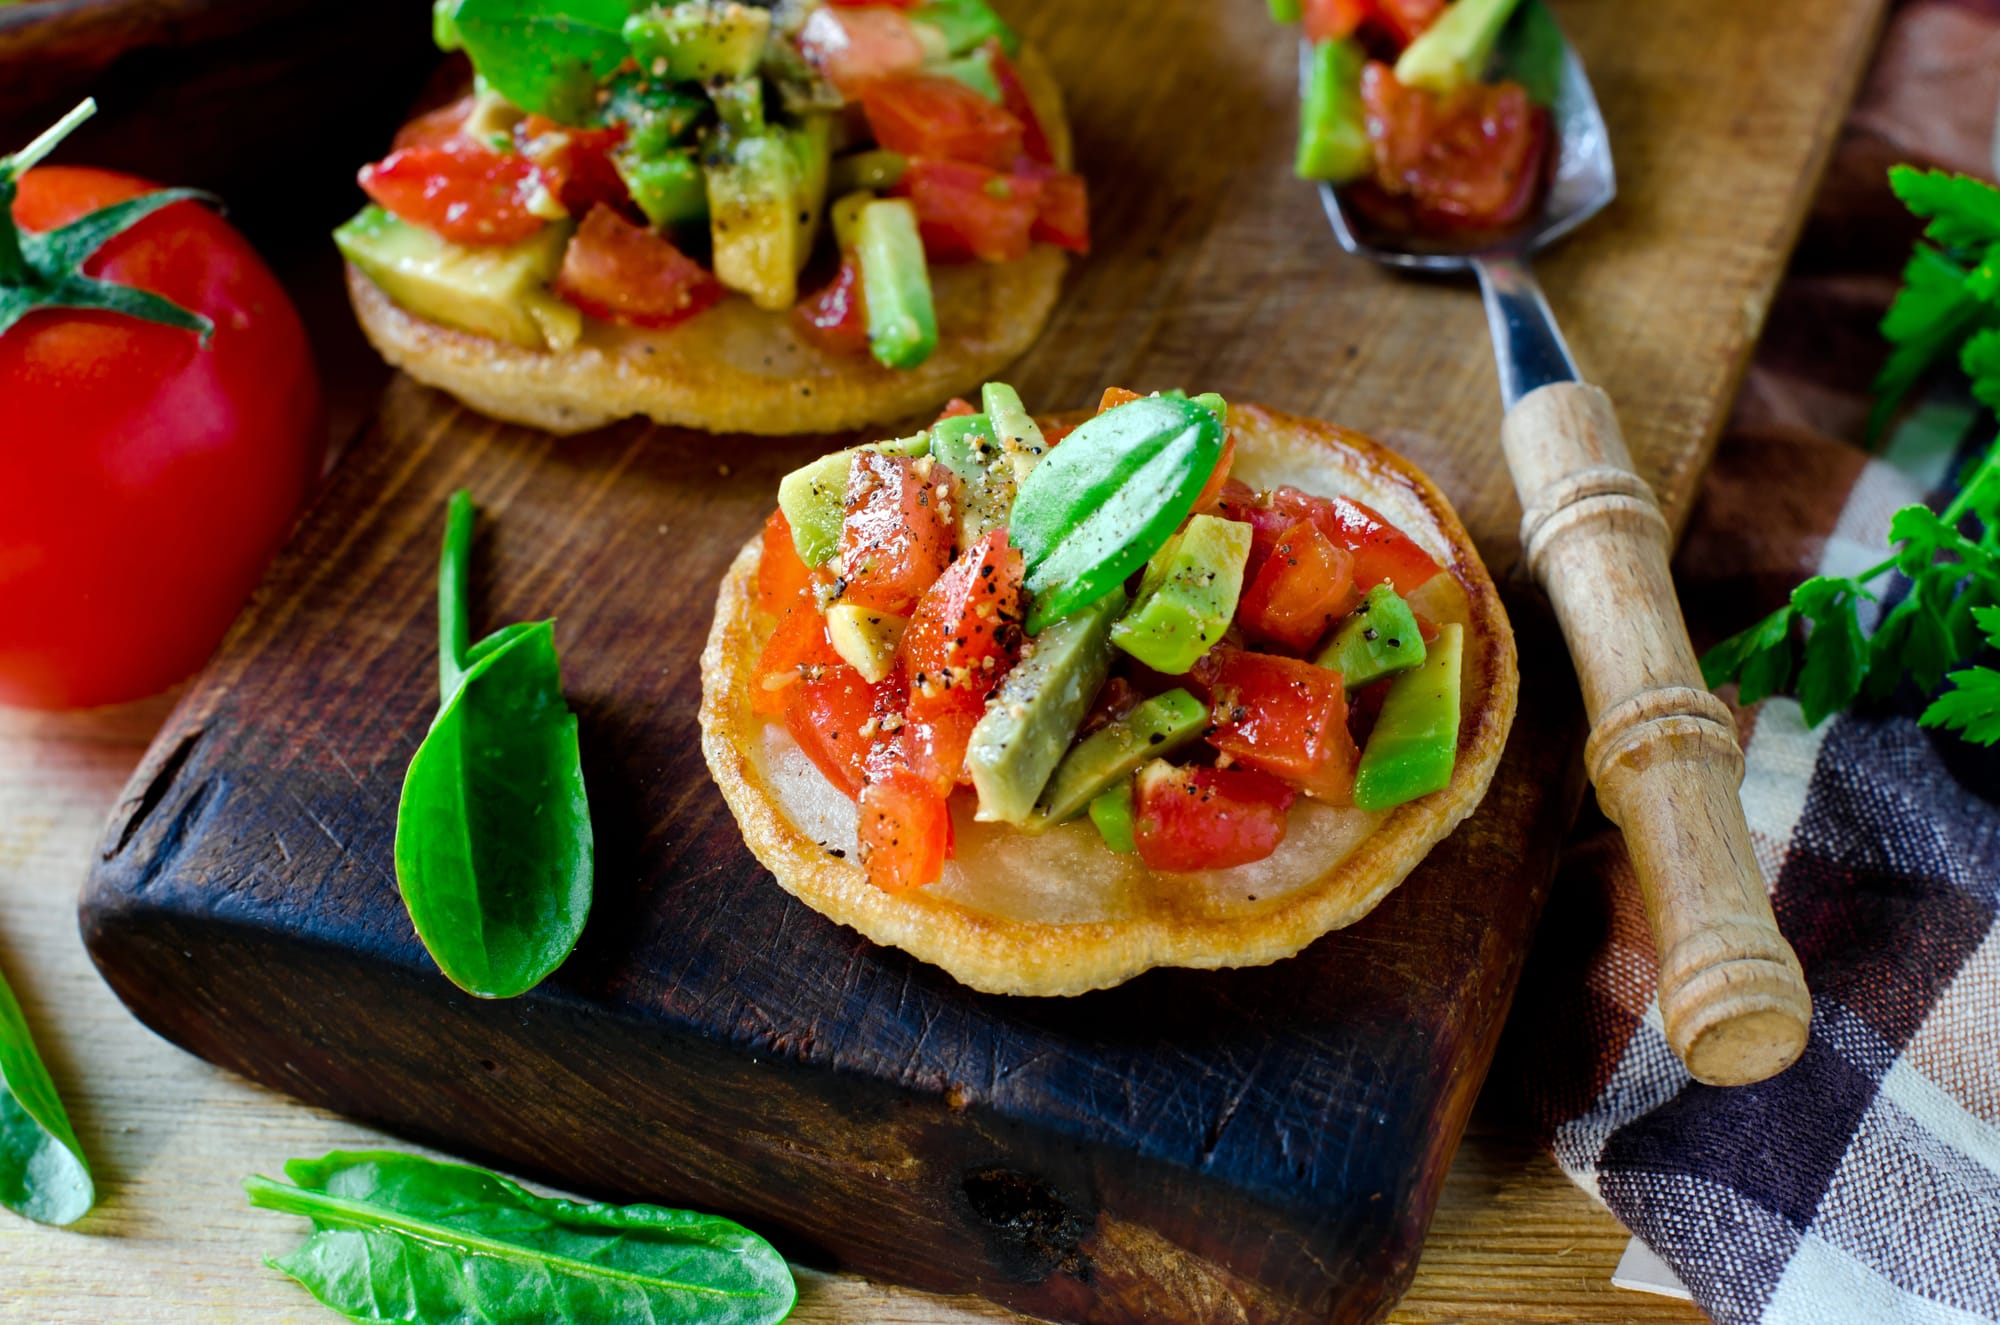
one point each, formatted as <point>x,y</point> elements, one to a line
<point>1950,301</point>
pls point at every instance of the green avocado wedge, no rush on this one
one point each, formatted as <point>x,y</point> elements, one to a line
<point>1033,715</point>
<point>1414,746</point>
<point>1379,639</point>
<point>1110,755</point>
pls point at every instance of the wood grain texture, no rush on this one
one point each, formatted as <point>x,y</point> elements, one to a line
<point>1268,1148</point>
<point>1662,752</point>
<point>172,1242</point>
<point>1262,1145</point>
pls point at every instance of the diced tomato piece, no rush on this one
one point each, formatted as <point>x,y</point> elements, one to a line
<point>1406,20</point>
<point>1470,160</point>
<point>1364,706</point>
<point>1014,96</point>
<point>622,272</point>
<point>1115,699</point>
<point>575,163</point>
<point>1330,20</point>
<point>1113,397</point>
<point>856,46</point>
<point>465,193</point>
<point>1381,551</point>
<point>940,118</point>
<point>1425,628</point>
<point>893,540</point>
<point>828,716</point>
<point>966,211</point>
<point>836,317</point>
<point>958,407</point>
<point>966,630</point>
<point>1287,718</point>
<point>782,575</point>
<point>934,746</point>
<point>1210,499</point>
<point>1303,587</point>
<point>1199,679</point>
<point>438,128</point>
<point>1238,501</point>
<point>798,650</point>
<point>904,833</point>
<point>1062,207</point>
<point>1207,818</point>
<point>1053,433</point>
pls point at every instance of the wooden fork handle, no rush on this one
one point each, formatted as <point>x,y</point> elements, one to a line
<point>1663,752</point>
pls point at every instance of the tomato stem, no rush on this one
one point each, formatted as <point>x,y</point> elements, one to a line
<point>46,141</point>
<point>45,269</point>
<point>14,268</point>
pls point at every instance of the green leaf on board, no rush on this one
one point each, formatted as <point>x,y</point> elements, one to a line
<point>493,838</point>
<point>400,1239</point>
<point>43,1174</point>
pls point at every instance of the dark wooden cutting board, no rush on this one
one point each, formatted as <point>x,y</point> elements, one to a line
<point>1261,1145</point>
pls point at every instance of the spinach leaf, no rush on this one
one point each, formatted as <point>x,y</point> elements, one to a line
<point>43,1174</point>
<point>1096,507</point>
<point>545,56</point>
<point>397,1238</point>
<point>493,840</point>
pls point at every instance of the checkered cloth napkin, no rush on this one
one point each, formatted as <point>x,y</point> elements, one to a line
<point>1862,1185</point>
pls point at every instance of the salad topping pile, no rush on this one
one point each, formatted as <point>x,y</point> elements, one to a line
<point>1096,621</point>
<point>1397,108</point>
<point>634,165</point>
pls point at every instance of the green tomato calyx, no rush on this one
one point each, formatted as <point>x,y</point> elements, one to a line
<point>44,269</point>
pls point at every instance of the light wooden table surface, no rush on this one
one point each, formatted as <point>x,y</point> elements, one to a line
<point>170,1138</point>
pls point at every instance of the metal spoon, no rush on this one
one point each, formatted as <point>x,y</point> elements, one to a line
<point>1662,752</point>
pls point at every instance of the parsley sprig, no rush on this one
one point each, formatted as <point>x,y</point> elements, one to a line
<point>1949,303</point>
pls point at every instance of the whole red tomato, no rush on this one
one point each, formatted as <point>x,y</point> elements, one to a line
<point>145,478</point>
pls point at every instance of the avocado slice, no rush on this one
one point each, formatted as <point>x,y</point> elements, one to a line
<point>495,291</point>
<point>967,447</point>
<point>812,161</point>
<point>1112,813</point>
<point>866,638</point>
<point>740,103</point>
<point>697,40</point>
<point>765,192</point>
<point>657,115</point>
<point>1108,757</point>
<point>1187,596</point>
<point>966,24</point>
<point>1333,129</point>
<point>1379,639</point>
<point>1032,717</point>
<point>896,284</point>
<point>1020,436</point>
<point>975,70</point>
<point>1456,49</point>
<point>669,188</point>
<point>1414,746</point>
<point>814,497</point>
<point>876,168</point>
